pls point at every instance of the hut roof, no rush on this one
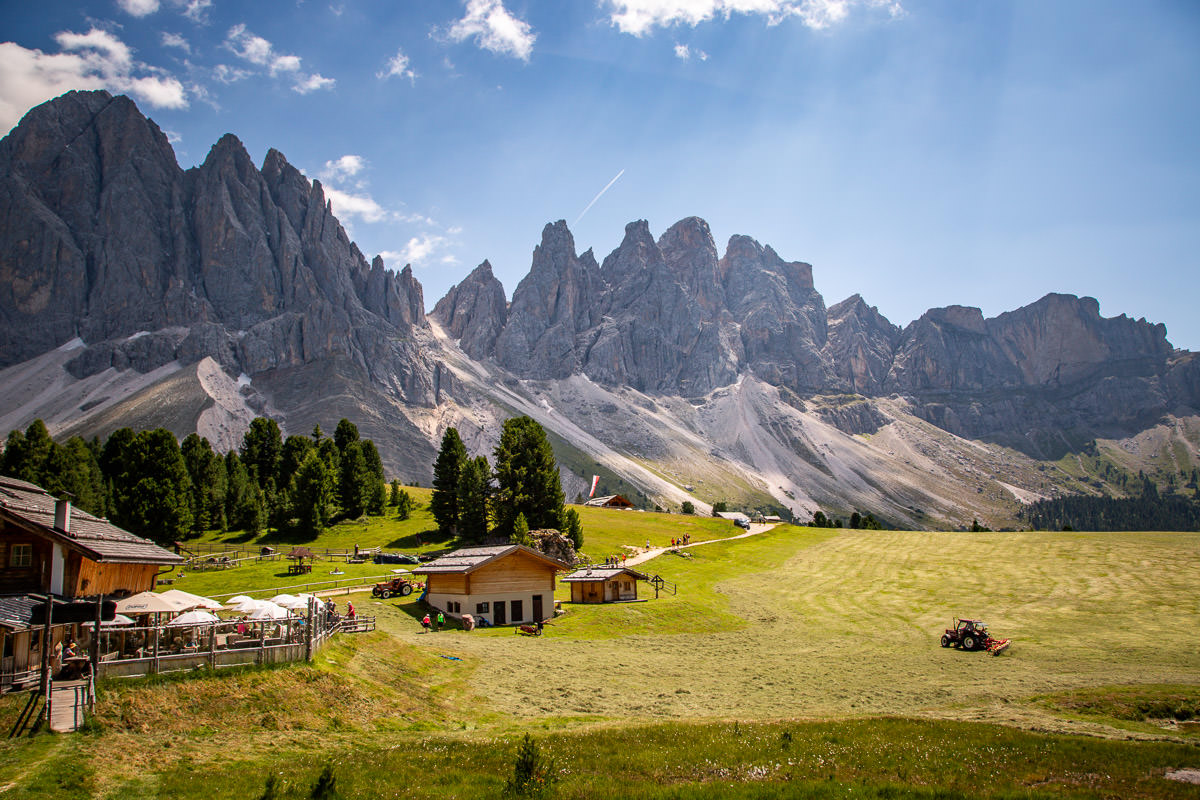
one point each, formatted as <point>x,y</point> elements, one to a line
<point>469,559</point>
<point>33,508</point>
<point>610,501</point>
<point>301,552</point>
<point>604,574</point>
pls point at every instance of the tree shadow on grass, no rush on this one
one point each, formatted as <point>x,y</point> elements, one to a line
<point>420,539</point>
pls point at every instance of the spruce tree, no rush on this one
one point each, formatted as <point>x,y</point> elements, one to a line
<point>527,477</point>
<point>474,491</point>
<point>443,503</point>
<point>311,496</point>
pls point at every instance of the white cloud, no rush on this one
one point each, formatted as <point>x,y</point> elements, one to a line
<point>197,11</point>
<point>397,65</point>
<point>260,52</point>
<point>345,167</point>
<point>93,60</point>
<point>420,249</point>
<point>685,53</point>
<point>223,73</point>
<point>495,29</point>
<point>177,41</point>
<point>346,205</point>
<point>639,17</point>
<point>312,83</point>
<point>138,8</point>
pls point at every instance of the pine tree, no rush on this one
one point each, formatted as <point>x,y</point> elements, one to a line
<point>345,433</point>
<point>354,488</point>
<point>474,494</point>
<point>520,533</point>
<point>572,528</point>
<point>443,503</point>
<point>404,505</point>
<point>527,477</point>
<point>262,449</point>
<point>311,496</point>
<point>376,486</point>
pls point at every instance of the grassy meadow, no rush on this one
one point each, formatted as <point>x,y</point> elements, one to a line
<point>794,663</point>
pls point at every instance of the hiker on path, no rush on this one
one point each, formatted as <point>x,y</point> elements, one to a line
<point>425,624</point>
<point>441,621</point>
<point>349,610</point>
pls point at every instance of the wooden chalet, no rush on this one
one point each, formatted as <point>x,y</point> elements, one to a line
<point>609,501</point>
<point>48,548</point>
<point>604,584</point>
<point>503,584</point>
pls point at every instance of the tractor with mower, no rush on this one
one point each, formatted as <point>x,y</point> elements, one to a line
<point>396,586</point>
<point>972,634</point>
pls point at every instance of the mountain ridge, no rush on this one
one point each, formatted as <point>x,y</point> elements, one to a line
<point>238,290</point>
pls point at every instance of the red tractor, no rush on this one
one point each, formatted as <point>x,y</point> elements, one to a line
<point>398,586</point>
<point>972,634</point>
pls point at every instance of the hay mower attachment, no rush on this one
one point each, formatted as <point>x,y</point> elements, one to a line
<point>972,634</point>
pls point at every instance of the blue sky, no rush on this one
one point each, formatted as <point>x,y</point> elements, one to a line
<point>920,153</point>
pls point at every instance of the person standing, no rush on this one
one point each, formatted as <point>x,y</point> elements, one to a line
<point>425,624</point>
<point>441,621</point>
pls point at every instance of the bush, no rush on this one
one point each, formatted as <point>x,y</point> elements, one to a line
<point>533,775</point>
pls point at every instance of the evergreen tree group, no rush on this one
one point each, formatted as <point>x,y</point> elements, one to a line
<point>1148,511</point>
<point>152,485</point>
<point>471,501</point>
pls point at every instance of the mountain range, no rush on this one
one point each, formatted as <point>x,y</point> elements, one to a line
<point>134,292</point>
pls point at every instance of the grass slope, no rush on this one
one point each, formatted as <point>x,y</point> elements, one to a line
<point>794,663</point>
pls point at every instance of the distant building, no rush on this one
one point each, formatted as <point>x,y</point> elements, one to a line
<point>49,548</point>
<point>604,584</point>
<point>611,501</point>
<point>735,517</point>
<point>503,584</point>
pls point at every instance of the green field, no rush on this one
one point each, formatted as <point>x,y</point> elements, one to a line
<point>795,663</point>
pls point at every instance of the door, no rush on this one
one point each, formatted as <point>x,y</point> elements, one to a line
<point>498,612</point>
<point>518,613</point>
<point>537,608</point>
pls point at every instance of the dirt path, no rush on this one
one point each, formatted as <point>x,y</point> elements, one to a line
<point>654,552</point>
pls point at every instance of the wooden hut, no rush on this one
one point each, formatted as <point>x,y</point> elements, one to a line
<point>503,584</point>
<point>604,584</point>
<point>302,561</point>
<point>609,501</point>
<point>49,549</point>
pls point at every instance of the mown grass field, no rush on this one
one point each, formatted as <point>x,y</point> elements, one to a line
<point>796,663</point>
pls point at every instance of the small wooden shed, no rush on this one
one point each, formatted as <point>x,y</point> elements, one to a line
<point>609,501</point>
<point>504,584</point>
<point>604,584</point>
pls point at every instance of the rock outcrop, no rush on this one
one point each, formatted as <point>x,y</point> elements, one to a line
<point>104,238</point>
<point>669,317</point>
<point>474,312</point>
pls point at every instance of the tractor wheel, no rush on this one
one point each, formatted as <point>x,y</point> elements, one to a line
<point>945,640</point>
<point>405,590</point>
<point>969,642</point>
<point>385,594</point>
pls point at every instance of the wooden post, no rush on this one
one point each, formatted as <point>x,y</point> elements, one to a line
<point>96,636</point>
<point>46,632</point>
<point>154,663</point>
<point>212,647</point>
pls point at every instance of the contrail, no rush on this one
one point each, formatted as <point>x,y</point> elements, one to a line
<point>597,197</point>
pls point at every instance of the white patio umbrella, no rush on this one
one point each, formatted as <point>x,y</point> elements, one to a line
<point>269,611</point>
<point>192,600</point>
<point>197,617</point>
<point>248,605</point>
<point>148,603</point>
<point>283,599</point>
<point>241,598</point>
<point>293,604</point>
<point>118,619</point>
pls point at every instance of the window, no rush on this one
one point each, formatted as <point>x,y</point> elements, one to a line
<point>481,608</point>
<point>20,556</point>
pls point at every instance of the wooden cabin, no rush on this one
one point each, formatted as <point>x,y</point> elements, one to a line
<point>609,501</point>
<point>48,548</point>
<point>503,584</point>
<point>604,584</point>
